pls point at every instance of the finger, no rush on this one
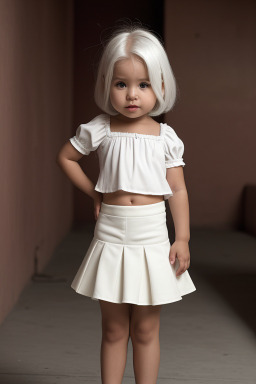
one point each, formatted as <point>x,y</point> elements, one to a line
<point>98,209</point>
<point>179,273</point>
<point>180,270</point>
<point>172,257</point>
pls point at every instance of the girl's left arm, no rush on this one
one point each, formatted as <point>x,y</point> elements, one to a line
<point>179,207</point>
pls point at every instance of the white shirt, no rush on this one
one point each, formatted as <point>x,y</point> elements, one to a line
<point>132,162</point>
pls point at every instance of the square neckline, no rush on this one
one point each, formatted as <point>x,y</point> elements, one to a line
<point>133,134</point>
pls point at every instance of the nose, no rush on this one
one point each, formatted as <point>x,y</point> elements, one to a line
<point>131,93</point>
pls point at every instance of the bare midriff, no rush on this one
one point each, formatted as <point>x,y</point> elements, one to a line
<point>121,197</point>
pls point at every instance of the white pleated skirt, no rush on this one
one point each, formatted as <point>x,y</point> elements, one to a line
<point>128,258</point>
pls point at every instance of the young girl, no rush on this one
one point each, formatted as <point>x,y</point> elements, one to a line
<point>130,267</point>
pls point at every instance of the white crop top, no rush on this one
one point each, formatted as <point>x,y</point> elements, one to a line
<point>132,162</point>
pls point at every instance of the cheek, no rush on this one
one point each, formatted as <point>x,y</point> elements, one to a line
<point>152,98</point>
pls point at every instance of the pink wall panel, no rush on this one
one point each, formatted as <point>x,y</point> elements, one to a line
<point>36,118</point>
<point>211,46</point>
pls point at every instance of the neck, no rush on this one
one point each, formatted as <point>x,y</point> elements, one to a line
<point>125,119</point>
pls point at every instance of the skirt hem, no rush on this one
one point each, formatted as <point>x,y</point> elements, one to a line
<point>109,299</point>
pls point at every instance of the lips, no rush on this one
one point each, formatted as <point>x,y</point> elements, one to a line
<point>132,106</point>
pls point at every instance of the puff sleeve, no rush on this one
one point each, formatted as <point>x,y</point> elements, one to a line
<point>174,148</point>
<point>89,136</point>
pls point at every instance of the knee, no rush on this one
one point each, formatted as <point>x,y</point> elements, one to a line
<point>144,332</point>
<point>113,332</point>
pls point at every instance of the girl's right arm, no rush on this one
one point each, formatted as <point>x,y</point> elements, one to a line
<point>67,159</point>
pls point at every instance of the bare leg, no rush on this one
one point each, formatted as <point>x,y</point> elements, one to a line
<point>145,326</point>
<point>115,338</point>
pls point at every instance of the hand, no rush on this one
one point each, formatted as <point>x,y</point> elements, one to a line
<point>97,203</point>
<point>180,249</point>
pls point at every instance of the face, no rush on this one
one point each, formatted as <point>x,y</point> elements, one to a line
<point>131,93</point>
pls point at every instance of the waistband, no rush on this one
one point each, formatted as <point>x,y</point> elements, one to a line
<point>133,210</point>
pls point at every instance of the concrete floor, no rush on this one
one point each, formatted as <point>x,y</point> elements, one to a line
<point>53,334</point>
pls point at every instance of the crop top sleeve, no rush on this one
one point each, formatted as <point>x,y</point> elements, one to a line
<point>174,148</point>
<point>89,136</point>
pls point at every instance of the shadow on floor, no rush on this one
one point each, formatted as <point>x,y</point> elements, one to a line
<point>237,289</point>
<point>227,260</point>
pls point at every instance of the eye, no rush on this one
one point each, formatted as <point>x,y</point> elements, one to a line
<point>120,84</point>
<point>144,85</point>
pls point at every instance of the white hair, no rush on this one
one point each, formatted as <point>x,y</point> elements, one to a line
<point>148,47</point>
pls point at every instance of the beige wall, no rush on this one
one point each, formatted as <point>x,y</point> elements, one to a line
<point>36,118</point>
<point>211,45</point>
